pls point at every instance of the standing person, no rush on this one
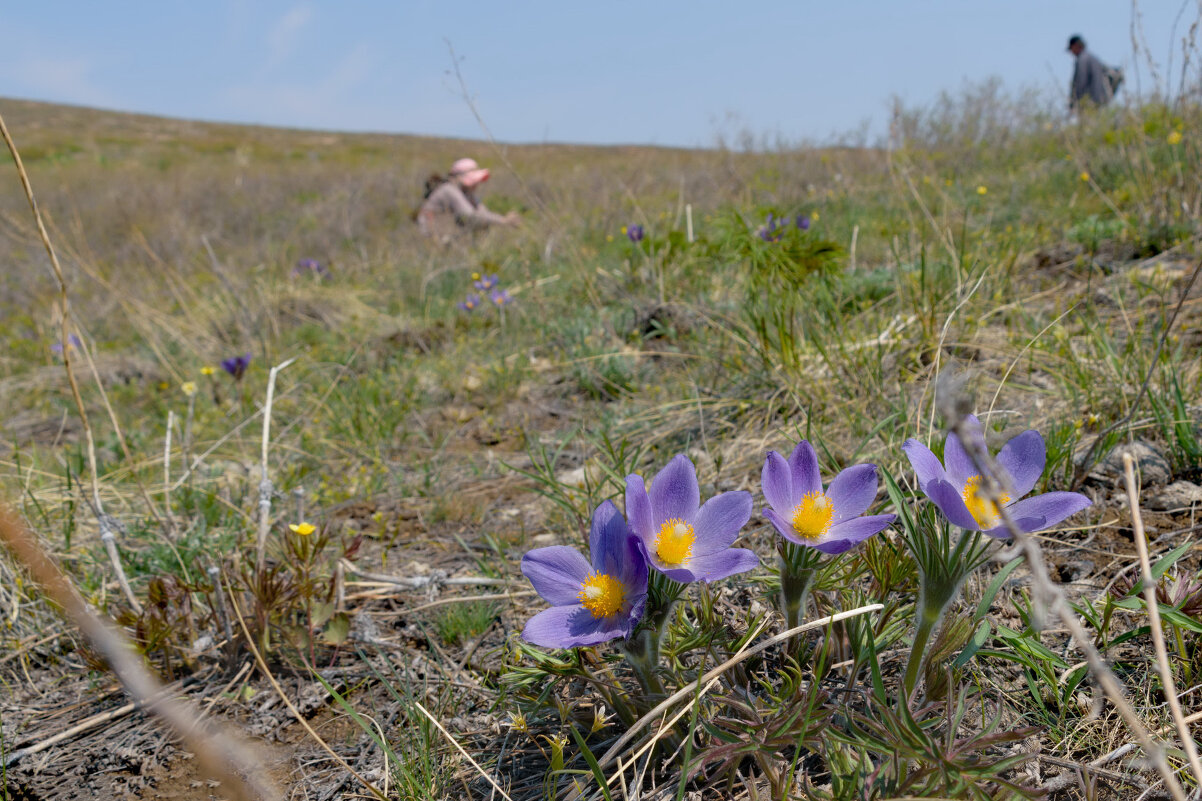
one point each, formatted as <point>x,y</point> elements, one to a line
<point>1091,79</point>
<point>455,198</point>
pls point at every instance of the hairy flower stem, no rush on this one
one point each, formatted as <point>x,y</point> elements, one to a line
<point>642,654</point>
<point>798,566</point>
<point>929,614</point>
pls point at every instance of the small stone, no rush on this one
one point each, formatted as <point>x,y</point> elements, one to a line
<point>542,540</point>
<point>1178,495</point>
<point>1152,469</point>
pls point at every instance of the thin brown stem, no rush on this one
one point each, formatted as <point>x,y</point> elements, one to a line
<point>1046,594</point>
<point>107,527</point>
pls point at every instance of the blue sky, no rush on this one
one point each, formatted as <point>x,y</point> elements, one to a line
<point>671,73</point>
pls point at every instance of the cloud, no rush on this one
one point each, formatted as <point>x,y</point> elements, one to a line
<point>284,35</point>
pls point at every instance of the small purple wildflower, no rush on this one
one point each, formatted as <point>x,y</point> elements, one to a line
<point>310,267</point>
<point>955,488</point>
<point>500,297</point>
<point>469,304</point>
<point>803,222</point>
<point>770,231</point>
<point>683,539</point>
<point>828,520</point>
<point>591,601</point>
<point>72,342</point>
<point>236,366</point>
<point>634,233</point>
<point>486,282</point>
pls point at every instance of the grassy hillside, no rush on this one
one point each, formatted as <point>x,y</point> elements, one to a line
<point>1036,267</point>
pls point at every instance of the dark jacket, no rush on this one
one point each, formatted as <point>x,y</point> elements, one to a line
<point>1089,81</point>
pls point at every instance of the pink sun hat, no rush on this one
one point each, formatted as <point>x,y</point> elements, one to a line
<point>469,172</point>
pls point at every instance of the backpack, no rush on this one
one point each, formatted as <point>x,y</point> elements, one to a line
<point>1114,77</point>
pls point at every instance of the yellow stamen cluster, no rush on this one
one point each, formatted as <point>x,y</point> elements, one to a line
<point>812,517</point>
<point>674,542</point>
<point>983,510</point>
<point>602,594</point>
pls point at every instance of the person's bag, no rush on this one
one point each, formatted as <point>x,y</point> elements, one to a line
<point>1114,77</point>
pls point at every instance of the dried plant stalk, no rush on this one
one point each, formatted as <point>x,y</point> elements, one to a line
<point>1047,596</point>
<point>218,754</point>
<point>107,524</point>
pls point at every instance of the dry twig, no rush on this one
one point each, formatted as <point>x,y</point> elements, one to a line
<point>219,755</point>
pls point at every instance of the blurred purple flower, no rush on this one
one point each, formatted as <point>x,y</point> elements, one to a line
<point>310,267</point>
<point>956,488</point>
<point>683,539</point>
<point>591,602</point>
<point>830,521</point>
<point>500,297</point>
<point>236,366</point>
<point>803,222</point>
<point>486,282</point>
<point>634,233</point>
<point>770,231</point>
<point>469,303</point>
<point>72,342</point>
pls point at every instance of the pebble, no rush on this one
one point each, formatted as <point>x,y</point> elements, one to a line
<point>1178,495</point>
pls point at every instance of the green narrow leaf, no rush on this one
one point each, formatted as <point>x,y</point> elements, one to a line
<point>995,586</point>
<point>979,638</point>
<point>592,764</point>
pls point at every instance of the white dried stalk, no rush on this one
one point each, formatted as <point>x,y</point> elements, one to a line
<point>265,486</point>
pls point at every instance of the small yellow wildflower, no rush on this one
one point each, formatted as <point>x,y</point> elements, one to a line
<point>947,181</point>
<point>609,237</point>
<point>475,276</point>
<point>1085,176</point>
<point>982,189</point>
<point>189,388</point>
<point>814,216</point>
<point>303,529</point>
<point>623,230</point>
<point>163,385</point>
<point>517,722</point>
<point>1174,138</point>
<point>207,370</point>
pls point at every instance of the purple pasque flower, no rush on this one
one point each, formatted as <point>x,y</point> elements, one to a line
<point>683,539</point>
<point>500,297</point>
<point>469,304</point>
<point>954,486</point>
<point>236,366</point>
<point>310,267</point>
<point>771,231</point>
<point>591,601</point>
<point>831,520</point>
<point>634,233</point>
<point>72,342</point>
<point>486,282</point>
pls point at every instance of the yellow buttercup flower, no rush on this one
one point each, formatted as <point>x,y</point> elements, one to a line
<point>982,189</point>
<point>207,370</point>
<point>189,388</point>
<point>1174,138</point>
<point>1084,176</point>
<point>303,529</point>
